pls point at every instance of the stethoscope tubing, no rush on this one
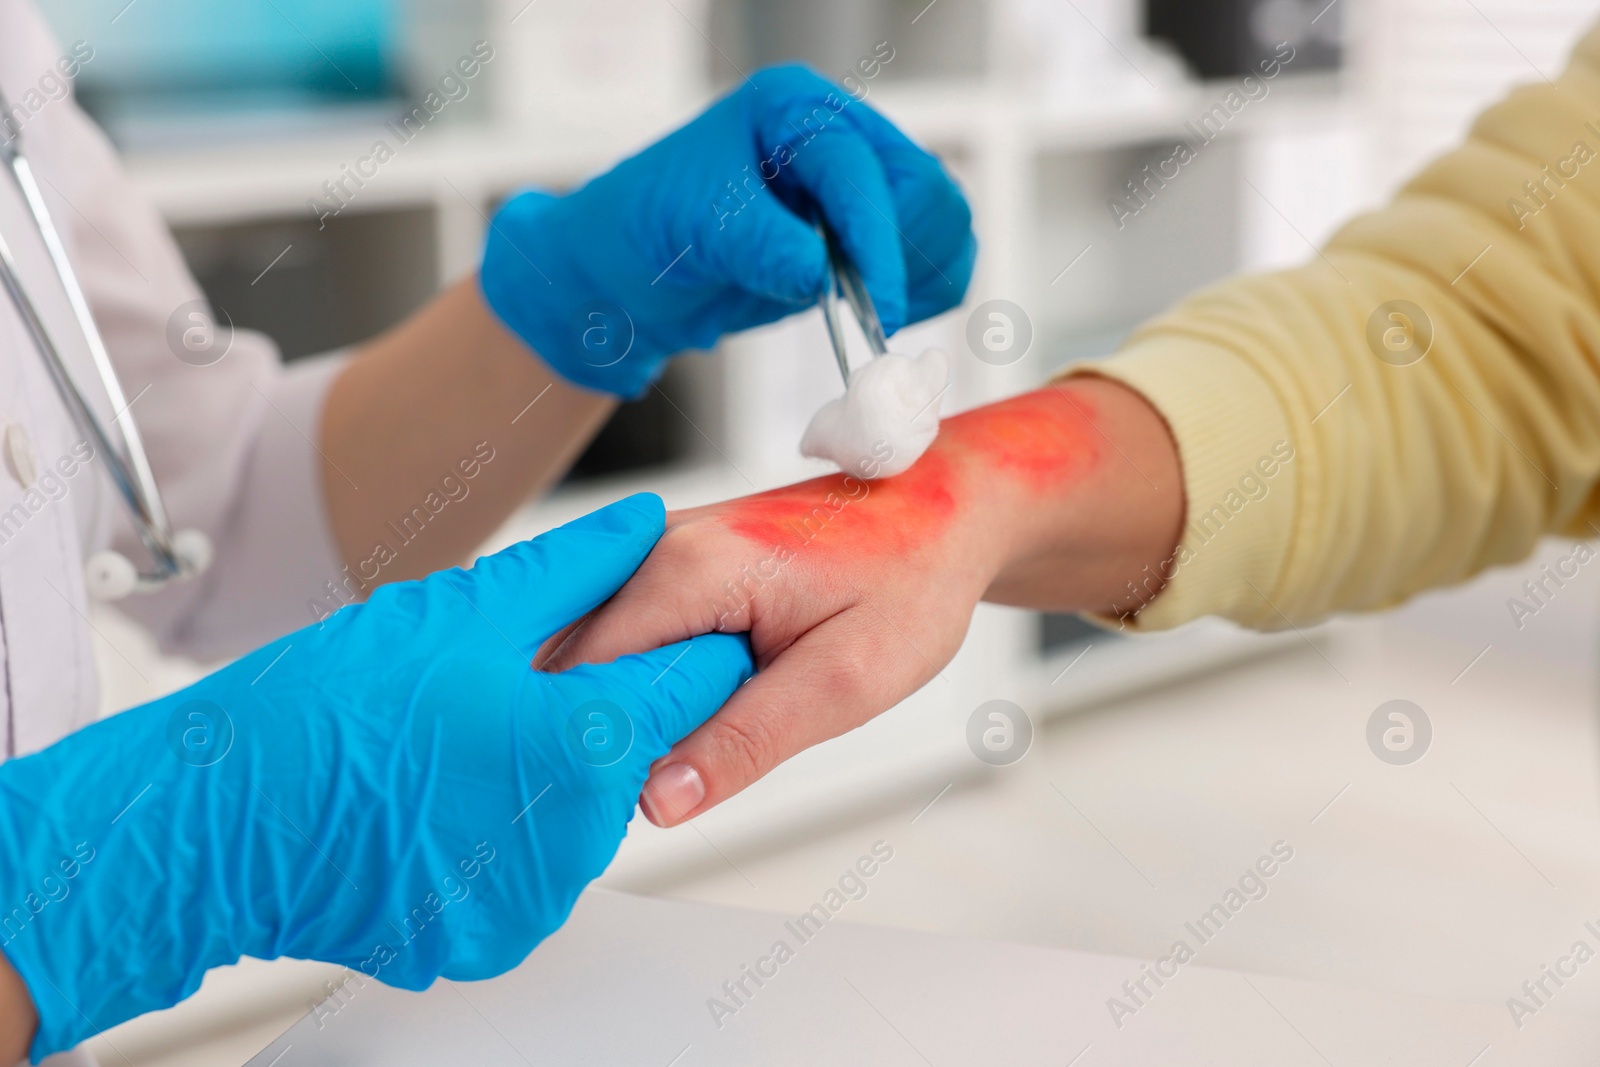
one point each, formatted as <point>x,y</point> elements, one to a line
<point>131,473</point>
<point>844,280</point>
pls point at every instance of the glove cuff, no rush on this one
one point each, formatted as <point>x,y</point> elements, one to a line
<point>554,307</point>
<point>105,839</point>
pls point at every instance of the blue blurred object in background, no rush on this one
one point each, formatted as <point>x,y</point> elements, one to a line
<point>165,58</point>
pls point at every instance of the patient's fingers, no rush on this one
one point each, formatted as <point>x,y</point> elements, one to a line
<point>559,638</point>
<point>834,678</point>
<point>669,599</point>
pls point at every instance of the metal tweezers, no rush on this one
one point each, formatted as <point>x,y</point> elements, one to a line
<point>844,280</point>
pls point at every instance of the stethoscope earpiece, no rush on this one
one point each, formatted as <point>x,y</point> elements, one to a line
<point>193,550</point>
<point>110,575</point>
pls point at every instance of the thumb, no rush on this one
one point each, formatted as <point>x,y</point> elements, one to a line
<point>534,588</point>
<point>665,694</point>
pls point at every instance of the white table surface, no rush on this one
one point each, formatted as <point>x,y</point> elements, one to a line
<point>627,981</point>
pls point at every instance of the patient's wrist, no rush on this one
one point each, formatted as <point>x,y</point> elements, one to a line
<point>1055,499</point>
<point>1080,484</point>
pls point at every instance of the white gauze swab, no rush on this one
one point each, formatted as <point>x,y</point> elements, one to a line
<point>892,404</point>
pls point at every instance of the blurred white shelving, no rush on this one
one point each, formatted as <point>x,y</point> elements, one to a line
<point>1432,65</point>
<point>457,173</point>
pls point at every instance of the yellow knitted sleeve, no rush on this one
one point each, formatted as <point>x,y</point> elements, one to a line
<point>1418,403</point>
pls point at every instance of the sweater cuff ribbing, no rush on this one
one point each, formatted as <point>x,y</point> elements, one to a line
<point>1239,476</point>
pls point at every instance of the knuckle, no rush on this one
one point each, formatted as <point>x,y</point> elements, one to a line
<point>742,749</point>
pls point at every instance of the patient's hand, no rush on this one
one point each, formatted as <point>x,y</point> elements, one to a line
<point>856,593</point>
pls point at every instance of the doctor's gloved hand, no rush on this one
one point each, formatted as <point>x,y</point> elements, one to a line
<point>706,233</point>
<point>394,789</point>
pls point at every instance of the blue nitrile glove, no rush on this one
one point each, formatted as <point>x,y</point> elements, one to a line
<point>394,789</point>
<point>704,233</point>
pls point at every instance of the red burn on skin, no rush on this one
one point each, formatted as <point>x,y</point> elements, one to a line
<point>833,510</point>
<point>1043,439</point>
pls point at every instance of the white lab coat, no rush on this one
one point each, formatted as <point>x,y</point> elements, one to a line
<point>229,442</point>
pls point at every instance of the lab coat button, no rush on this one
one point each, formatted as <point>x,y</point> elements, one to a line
<point>20,456</point>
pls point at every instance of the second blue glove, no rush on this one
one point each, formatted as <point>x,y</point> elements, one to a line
<point>706,233</point>
<point>394,789</point>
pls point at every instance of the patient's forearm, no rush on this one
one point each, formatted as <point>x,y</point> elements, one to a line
<point>448,386</point>
<point>1080,484</point>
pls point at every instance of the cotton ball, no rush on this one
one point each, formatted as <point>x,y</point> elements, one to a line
<point>891,409</point>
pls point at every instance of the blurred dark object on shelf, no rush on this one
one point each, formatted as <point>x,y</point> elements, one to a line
<point>1233,38</point>
<point>835,37</point>
<point>289,279</point>
<point>1062,633</point>
<point>644,433</point>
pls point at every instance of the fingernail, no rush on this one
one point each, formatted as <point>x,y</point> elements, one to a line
<point>672,793</point>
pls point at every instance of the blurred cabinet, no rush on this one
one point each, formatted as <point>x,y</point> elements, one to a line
<point>288,276</point>
<point>1429,66</point>
<point>1231,38</point>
